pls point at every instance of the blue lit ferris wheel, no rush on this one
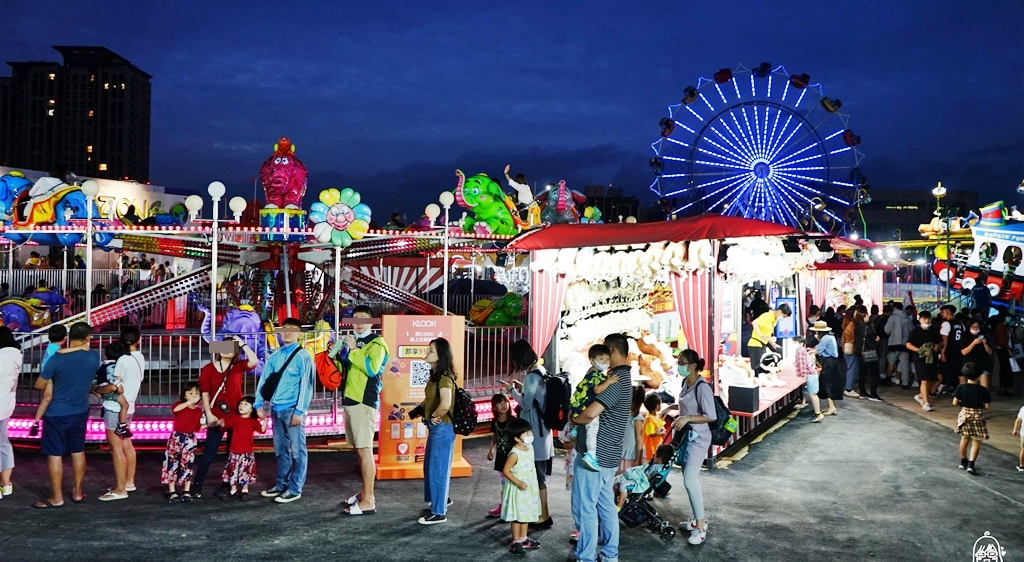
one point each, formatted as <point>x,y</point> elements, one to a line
<point>759,143</point>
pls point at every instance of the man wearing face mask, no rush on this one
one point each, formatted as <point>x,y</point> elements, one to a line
<point>925,343</point>
<point>363,358</point>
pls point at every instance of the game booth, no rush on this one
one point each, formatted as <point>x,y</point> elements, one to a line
<point>670,285</point>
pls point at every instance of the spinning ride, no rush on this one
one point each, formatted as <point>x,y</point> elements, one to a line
<point>759,143</point>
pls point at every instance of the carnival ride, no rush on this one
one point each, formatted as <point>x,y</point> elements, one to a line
<point>759,143</point>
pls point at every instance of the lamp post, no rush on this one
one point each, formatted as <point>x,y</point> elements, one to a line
<point>815,204</point>
<point>939,192</point>
<point>89,188</point>
<point>447,198</point>
<point>194,204</point>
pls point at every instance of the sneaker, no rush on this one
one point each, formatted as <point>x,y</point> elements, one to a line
<point>433,519</point>
<point>918,399</point>
<point>287,497</point>
<point>574,537</point>
<point>851,394</point>
<point>7,490</point>
<point>531,544</point>
<point>817,417</point>
<point>496,512</point>
<point>939,389</point>
<point>915,385</point>
<point>590,461</point>
<point>122,431</point>
<point>698,536</point>
<point>1019,469</point>
<point>690,525</point>
<point>926,407</point>
<point>970,469</point>
<point>272,493</point>
<point>875,398</point>
<point>963,464</point>
<point>516,548</point>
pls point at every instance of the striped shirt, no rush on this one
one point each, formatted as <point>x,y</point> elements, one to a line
<point>614,419</point>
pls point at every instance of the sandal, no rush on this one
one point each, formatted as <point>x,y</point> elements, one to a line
<point>45,504</point>
<point>186,497</point>
<point>173,497</point>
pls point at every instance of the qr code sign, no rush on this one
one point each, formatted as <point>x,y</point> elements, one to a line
<point>419,374</point>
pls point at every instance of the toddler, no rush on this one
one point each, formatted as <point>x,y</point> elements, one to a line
<point>241,467</point>
<point>633,443</point>
<point>594,382</point>
<point>56,333</point>
<point>105,376</point>
<point>501,441</point>
<point>973,399</point>
<point>520,496</point>
<point>654,426</point>
<point>638,478</point>
<point>181,446</point>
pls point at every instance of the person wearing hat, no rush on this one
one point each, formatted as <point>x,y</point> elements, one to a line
<point>831,383</point>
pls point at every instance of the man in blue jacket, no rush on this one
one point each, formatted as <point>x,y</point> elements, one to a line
<point>287,384</point>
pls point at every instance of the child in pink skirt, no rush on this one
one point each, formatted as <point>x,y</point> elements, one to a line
<point>240,470</point>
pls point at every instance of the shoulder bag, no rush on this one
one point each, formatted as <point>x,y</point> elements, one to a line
<point>270,386</point>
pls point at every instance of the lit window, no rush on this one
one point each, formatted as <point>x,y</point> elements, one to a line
<point>92,77</point>
<point>53,103</point>
<point>53,76</point>
<point>90,113</point>
<point>103,167</point>
<point>88,148</point>
<point>49,112</point>
<point>106,85</point>
<point>122,85</point>
<point>89,159</point>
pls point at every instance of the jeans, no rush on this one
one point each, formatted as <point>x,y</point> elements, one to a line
<point>214,435</point>
<point>437,466</point>
<point>593,510</point>
<point>868,379</point>
<point>290,450</point>
<point>902,361</point>
<point>852,367</point>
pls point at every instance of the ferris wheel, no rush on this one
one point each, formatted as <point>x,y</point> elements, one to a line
<point>759,143</point>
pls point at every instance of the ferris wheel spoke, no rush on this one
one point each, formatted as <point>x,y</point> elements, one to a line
<point>735,187</point>
<point>739,128</point>
<point>758,139</point>
<point>786,165</point>
<point>801,98</point>
<point>708,184</point>
<point>721,93</point>
<point>746,154</point>
<point>736,85</point>
<point>785,91</point>
<point>707,102</point>
<point>774,140</point>
<point>743,159</point>
<point>723,157</point>
<point>781,194</point>
<point>789,157</point>
<point>798,189</point>
<point>752,137</point>
<point>785,142</point>
<point>786,149</point>
<point>721,164</point>
<point>799,176</point>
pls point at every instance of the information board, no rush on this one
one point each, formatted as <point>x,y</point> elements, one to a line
<point>402,441</point>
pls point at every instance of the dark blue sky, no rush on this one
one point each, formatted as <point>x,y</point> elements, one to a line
<point>391,97</point>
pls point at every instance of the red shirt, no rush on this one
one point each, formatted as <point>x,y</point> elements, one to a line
<point>242,432</point>
<point>187,420</point>
<point>210,380</point>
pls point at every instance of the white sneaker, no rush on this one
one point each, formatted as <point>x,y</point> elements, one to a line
<point>698,536</point>
<point>918,399</point>
<point>690,525</point>
<point>7,490</point>
<point>926,407</point>
<point>915,385</point>
<point>851,394</point>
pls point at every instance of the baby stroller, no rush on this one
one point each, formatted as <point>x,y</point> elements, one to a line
<point>638,509</point>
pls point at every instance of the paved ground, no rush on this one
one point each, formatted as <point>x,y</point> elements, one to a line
<point>874,482</point>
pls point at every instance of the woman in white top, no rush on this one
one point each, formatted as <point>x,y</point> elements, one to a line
<point>10,370</point>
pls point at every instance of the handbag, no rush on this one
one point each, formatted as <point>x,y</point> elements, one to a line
<point>1014,365</point>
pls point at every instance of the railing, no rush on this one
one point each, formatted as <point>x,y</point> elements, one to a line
<point>921,291</point>
<point>20,280</point>
<point>174,359</point>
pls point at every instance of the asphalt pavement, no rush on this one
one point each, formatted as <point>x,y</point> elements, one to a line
<point>874,482</point>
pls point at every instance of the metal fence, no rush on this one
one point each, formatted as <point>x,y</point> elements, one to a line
<point>174,359</point>
<point>921,291</point>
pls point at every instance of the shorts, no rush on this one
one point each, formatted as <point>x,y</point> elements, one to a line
<point>360,423</point>
<point>952,370</point>
<point>543,471</point>
<point>110,419</point>
<point>812,384</point>
<point>63,434</point>
<point>926,371</point>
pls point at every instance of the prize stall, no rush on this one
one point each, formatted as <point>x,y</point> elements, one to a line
<point>669,286</point>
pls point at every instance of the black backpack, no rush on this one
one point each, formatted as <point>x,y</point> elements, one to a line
<point>724,425</point>
<point>463,411</point>
<point>555,410</point>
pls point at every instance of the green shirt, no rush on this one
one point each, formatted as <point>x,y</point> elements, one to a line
<point>433,398</point>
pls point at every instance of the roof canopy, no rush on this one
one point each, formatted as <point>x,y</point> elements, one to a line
<point>703,227</point>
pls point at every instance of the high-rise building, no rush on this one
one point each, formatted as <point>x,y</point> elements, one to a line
<point>89,116</point>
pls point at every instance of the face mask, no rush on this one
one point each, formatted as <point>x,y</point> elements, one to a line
<point>601,366</point>
<point>528,439</point>
<point>360,334</point>
<point>683,370</point>
<point>975,332</point>
<point>925,326</point>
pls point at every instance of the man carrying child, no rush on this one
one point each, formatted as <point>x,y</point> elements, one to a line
<point>596,381</point>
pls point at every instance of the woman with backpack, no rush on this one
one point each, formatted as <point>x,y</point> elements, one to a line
<point>531,394</point>
<point>437,415</point>
<point>696,410</point>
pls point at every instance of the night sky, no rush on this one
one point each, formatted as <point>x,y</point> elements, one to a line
<point>390,97</point>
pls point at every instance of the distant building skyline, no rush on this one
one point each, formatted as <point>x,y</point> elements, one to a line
<point>89,116</point>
